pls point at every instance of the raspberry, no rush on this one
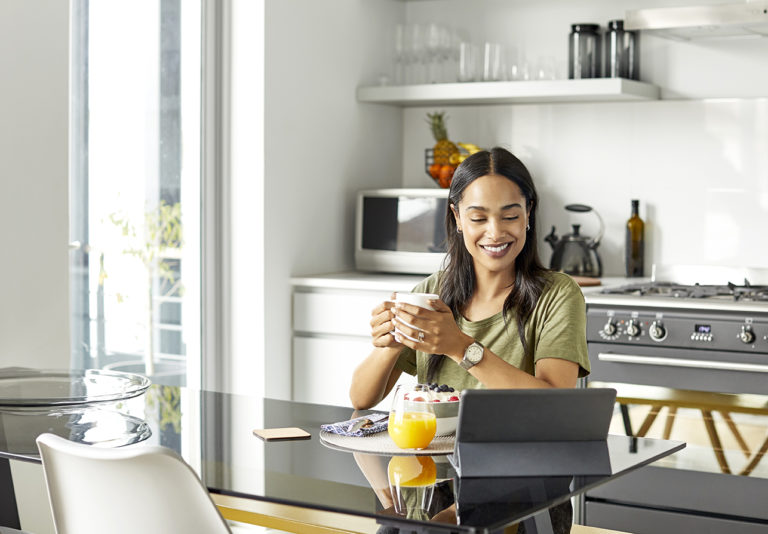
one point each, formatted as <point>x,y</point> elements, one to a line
<point>453,398</point>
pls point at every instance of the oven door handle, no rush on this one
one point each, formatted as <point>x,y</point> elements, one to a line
<point>678,362</point>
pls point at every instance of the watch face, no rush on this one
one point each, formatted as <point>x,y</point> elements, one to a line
<point>474,353</point>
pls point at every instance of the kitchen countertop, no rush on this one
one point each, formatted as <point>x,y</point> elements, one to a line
<point>357,280</point>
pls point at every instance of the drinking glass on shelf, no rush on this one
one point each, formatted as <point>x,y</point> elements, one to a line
<point>545,68</point>
<point>415,54</point>
<point>400,54</point>
<point>447,71</point>
<point>432,52</point>
<point>468,62</point>
<point>412,423</point>
<point>519,68</point>
<point>494,68</point>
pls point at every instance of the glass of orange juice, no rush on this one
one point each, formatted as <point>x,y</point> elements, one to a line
<point>411,484</point>
<point>412,423</point>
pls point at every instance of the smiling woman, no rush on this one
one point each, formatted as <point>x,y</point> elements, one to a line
<point>502,319</point>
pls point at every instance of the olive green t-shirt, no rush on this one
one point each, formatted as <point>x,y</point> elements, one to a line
<point>555,329</point>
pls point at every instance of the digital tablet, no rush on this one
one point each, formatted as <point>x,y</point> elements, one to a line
<point>513,415</point>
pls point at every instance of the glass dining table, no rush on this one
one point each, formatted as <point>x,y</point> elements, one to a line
<point>305,485</point>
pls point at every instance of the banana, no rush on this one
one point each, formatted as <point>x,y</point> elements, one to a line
<point>470,147</point>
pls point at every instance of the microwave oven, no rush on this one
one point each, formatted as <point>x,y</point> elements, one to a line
<point>400,230</point>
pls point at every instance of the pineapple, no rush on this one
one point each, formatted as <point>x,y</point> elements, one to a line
<point>443,149</point>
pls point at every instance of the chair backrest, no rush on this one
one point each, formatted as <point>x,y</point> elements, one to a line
<point>138,488</point>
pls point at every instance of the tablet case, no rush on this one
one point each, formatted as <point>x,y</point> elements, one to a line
<point>534,432</point>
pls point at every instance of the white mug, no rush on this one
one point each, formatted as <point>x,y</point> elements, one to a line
<point>417,299</point>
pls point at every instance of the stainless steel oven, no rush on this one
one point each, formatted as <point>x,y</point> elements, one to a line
<point>690,363</point>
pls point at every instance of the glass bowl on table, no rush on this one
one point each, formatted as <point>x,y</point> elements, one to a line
<point>412,423</point>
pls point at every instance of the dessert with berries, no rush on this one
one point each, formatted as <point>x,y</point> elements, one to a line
<point>445,403</point>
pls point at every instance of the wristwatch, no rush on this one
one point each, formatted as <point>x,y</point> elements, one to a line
<point>472,356</point>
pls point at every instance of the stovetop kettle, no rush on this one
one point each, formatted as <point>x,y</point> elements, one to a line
<point>574,253</point>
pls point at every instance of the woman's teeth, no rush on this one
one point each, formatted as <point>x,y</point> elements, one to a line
<point>495,249</point>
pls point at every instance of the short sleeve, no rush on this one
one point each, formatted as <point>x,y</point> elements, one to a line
<point>406,362</point>
<point>561,323</point>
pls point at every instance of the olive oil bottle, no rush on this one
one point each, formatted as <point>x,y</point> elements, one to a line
<point>635,243</point>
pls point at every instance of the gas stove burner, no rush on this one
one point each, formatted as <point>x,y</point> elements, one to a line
<point>746,292</point>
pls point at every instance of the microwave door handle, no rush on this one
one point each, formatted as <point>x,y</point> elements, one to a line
<point>679,362</point>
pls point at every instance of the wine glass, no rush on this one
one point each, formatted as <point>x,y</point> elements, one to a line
<point>412,422</point>
<point>432,52</point>
<point>400,54</point>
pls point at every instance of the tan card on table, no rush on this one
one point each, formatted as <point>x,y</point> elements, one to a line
<point>274,434</point>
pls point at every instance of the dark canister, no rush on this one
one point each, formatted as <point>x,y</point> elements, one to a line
<point>620,52</point>
<point>584,51</point>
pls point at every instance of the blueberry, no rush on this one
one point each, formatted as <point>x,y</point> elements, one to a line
<point>450,389</point>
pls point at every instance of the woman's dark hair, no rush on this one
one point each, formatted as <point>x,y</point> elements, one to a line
<point>457,283</point>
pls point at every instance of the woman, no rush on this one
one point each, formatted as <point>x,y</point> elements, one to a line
<point>502,320</point>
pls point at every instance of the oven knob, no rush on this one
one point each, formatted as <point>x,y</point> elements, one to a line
<point>610,328</point>
<point>657,331</point>
<point>633,330</point>
<point>747,335</point>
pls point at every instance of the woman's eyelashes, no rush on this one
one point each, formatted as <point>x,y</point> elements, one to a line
<point>516,217</point>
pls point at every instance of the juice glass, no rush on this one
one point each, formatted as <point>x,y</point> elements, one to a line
<point>412,422</point>
<point>411,484</point>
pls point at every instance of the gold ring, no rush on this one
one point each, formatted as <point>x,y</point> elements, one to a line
<point>421,336</point>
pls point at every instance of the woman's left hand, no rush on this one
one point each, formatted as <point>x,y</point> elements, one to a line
<point>431,331</point>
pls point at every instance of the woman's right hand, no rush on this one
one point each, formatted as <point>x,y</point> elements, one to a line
<point>382,327</point>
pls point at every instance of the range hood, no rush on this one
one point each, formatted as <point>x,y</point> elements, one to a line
<point>702,22</point>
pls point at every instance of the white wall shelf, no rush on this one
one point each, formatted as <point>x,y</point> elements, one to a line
<point>530,92</point>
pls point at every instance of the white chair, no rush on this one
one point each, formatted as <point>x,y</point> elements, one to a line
<point>139,488</point>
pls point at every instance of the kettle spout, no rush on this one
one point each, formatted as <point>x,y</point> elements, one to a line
<point>551,238</point>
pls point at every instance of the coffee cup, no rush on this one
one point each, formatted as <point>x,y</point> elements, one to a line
<point>417,299</point>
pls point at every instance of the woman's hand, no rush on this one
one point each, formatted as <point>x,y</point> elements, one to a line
<point>431,331</point>
<point>382,325</point>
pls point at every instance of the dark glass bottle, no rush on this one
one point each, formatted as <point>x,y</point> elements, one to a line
<point>635,245</point>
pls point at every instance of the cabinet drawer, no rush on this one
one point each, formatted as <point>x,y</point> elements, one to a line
<point>650,521</point>
<point>336,313</point>
<point>322,370</point>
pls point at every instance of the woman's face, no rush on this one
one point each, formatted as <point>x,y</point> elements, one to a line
<point>492,217</point>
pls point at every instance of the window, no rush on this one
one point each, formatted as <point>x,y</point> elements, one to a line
<point>135,187</point>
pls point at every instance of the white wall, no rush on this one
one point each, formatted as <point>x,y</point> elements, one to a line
<point>321,146</point>
<point>696,160</point>
<point>34,274</point>
<point>34,103</point>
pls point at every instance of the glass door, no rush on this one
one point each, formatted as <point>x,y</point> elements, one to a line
<point>135,187</point>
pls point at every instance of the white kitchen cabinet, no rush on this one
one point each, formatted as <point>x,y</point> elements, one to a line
<point>331,331</point>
